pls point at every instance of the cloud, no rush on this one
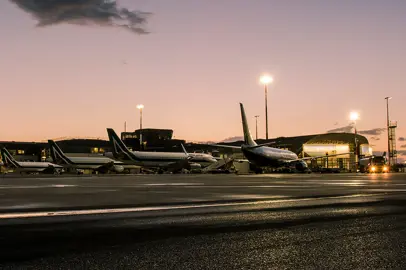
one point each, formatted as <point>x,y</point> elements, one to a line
<point>346,129</point>
<point>403,146</point>
<point>401,152</point>
<point>233,139</point>
<point>375,138</point>
<point>373,132</point>
<point>84,12</point>
<point>402,139</point>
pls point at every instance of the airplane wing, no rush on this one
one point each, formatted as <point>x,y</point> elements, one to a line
<point>239,147</point>
<point>226,146</point>
<point>260,145</point>
<point>105,168</point>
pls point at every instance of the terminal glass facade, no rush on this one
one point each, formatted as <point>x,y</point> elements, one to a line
<point>342,162</point>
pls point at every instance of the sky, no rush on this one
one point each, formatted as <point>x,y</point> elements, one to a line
<point>200,59</point>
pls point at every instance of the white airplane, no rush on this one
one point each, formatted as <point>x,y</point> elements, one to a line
<point>173,161</point>
<point>99,164</point>
<point>265,156</point>
<point>28,167</point>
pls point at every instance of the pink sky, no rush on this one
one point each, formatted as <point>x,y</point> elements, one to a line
<point>201,59</point>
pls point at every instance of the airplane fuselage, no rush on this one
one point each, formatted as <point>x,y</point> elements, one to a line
<point>24,166</point>
<point>165,159</point>
<point>270,157</point>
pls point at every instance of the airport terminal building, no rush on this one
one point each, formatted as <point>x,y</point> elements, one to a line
<point>161,140</point>
<point>318,145</point>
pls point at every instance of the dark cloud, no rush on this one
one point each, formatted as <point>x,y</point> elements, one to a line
<point>350,128</point>
<point>84,12</point>
<point>373,132</point>
<point>346,129</point>
<point>402,139</point>
<point>401,152</point>
<point>375,138</point>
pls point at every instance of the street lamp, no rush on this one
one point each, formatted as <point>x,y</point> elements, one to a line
<point>256,127</point>
<point>387,127</point>
<point>354,116</point>
<point>266,80</point>
<point>140,107</point>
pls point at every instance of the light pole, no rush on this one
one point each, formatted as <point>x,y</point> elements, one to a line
<point>256,127</point>
<point>354,116</point>
<point>140,107</point>
<point>387,127</point>
<point>266,80</point>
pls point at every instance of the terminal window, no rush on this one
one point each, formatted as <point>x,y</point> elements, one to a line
<point>96,150</point>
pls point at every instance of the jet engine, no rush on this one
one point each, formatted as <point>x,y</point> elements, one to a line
<point>118,168</point>
<point>195,166</point>
<point>300,165</point>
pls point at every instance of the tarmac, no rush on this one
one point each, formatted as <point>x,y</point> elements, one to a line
<point>276,221</point>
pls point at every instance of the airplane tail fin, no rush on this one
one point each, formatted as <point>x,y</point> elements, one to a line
<point>247,134</point>
<point>57,155</point>
<point>120,150</point>
<point>8,159</point>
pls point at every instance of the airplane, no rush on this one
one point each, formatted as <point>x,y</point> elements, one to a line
<point>97,164</point>
<point>262,155</point>
<point>27,167</point>
<point>172,161</point>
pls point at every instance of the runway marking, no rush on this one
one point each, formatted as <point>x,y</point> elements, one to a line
<point>161,208</point>
<point>253,196</point>
<point>256,186</point>
<point>173,184</point>
<point>35,187</point>
<point>387,190</point>
<point>62,186</point>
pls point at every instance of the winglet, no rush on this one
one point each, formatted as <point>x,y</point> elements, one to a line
<point>186,153</point>
<point>184,150</point>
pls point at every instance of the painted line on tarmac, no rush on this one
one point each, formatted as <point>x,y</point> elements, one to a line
<point>161,208</point>
<point>256,186</point>
<point>252,196</point>
<point>35,187</point>
<point>173,184</point>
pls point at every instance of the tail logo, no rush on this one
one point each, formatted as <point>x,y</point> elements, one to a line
<point>8,159</point>
<point>118,149</point>
<point>58,156</point>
